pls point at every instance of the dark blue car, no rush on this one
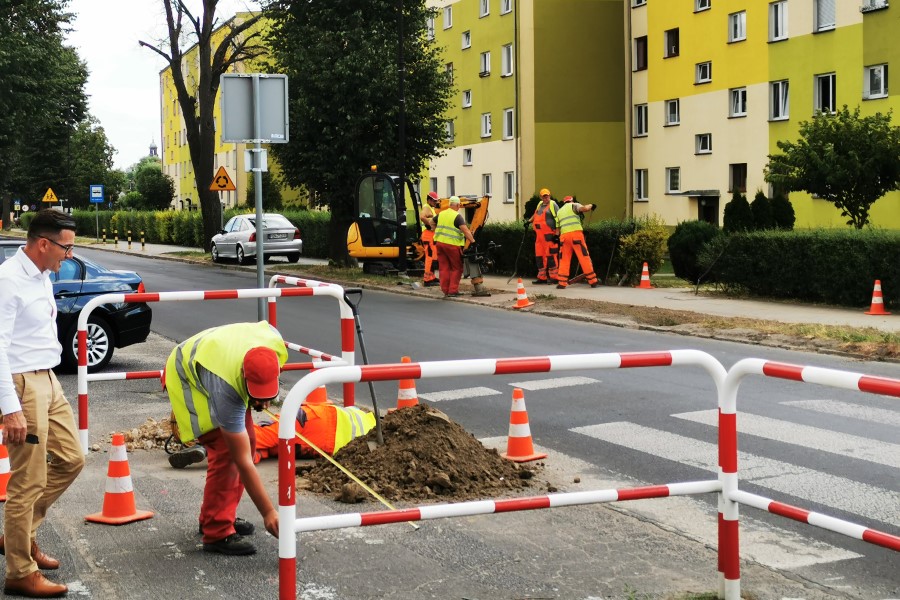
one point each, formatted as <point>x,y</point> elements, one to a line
<point>110,325</point>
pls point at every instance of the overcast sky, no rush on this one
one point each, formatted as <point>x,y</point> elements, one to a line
<point>123,86</point>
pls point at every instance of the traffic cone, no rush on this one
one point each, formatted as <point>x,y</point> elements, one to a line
<point>118,502</point>
<point>645,278</point>
<point>317,396</point>
<point>519,447</point>
<point>407,395</point>
<point>877,307</point>
<point>521,297</point>
<point>4,467</point>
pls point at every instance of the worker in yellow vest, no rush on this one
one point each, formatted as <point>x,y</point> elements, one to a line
<point>450,237</point>
<point>213,379</point>
<point>571,239</point>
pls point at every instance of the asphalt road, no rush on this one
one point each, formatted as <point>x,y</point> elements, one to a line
<point>642,425</point>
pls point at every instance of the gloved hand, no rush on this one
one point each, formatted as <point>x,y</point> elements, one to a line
<point>555,239</point>
<point>526,223</point>
<point>593,207</point>
<point>301,416</point>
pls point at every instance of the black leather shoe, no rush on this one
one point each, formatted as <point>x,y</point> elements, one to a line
<point>233,545</point>
<point>241,527</point>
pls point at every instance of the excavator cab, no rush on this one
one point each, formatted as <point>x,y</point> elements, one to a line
<point>379,228</point>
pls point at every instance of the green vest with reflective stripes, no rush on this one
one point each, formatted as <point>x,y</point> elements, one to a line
<point>568,219</point>
<point>351,423</point>
<point>221,351</point>
<point>447,232</point>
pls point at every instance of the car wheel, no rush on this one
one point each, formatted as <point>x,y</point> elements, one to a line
<point>100,345</point>
<point>294,257</point>
<point>214,251</point>
<point>239,254</point>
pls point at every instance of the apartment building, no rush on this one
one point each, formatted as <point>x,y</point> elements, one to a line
<point>540,102</point>
<point>716,83</point>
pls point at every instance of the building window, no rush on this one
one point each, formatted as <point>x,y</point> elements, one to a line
<point>737,26</point>
<point>467,157</point>
<point>486,125</point>
<point>485,64</point>
<point>824,10</point>
<point>641,112</point>
<point>870,5</point>
<point>737,178</point>
<point>508,124</point>
<point>432,184</point>
<point>638,3</point>
<point>673,179</point>
<point>778,21</point>
<point>451,186</point>
<point>824,93</point>
<point>487,184</point>
<point>737,105</point>
<point>448,68</point>
<point>429,26</point>
<point>703,72</point>
<point>640,184</point>
<point>875,82</point>
<point>448,127</point>
<point>466,39</point>
<point>670,41</point>
<point>484,8</point>
<point>701,5</point>
<point>505,6</point>
<point>703,143</point>
<point>467,98</point>
<point>448,17</point>
<point>640,53</point>
<point>779,100</point>
<point>506,61</point>
<point>509,186</point>
<point>673,112</point>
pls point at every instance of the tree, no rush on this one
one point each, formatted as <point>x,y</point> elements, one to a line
<point>155,187</point>
<point>341,59</point>
<point>271,192</point>
<point>762,212</point>
<point>783,212</point>
<point>90,161</point>
<point>849,160</point>
<point>197,91</point>
<point>737,215</point>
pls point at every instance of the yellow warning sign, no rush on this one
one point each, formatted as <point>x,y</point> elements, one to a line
<point>50,196</point>
<point>222,182</point>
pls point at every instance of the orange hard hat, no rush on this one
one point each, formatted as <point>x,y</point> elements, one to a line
<point>544,192</point>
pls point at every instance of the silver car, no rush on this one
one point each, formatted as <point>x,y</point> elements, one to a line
<point>238,239</point>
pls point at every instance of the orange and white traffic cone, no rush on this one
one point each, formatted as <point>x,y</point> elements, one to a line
<point>406,394</point>
<point>118,502</point>
<point>4,466</point>
<point>645,278</point>
<point>877,307</point>
<point>519,447</point>
<point>522,300</point>
<point>317,396</point>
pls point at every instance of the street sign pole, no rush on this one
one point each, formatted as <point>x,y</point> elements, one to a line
<point>262,303</point>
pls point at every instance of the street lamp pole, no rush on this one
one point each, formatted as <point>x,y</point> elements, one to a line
<point>401,83</point>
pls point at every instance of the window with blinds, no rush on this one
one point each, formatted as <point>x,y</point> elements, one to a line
<point>824,15</point>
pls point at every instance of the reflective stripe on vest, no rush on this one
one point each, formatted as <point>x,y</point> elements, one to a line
<point>568,219</point>
<point>446,231</point>
<point>351,424</point>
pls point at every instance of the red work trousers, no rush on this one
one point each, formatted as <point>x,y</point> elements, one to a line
<point>450,266</point>
<point>223,489</point>
<point>573,242</point>
<point>546,254</point>
<point>430,255</point>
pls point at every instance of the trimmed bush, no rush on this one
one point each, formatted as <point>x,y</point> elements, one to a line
<point>685,245</point>
<point>782,213</point>
<point>646,244</point>
<point>737,215</point>
<point>762,212</point>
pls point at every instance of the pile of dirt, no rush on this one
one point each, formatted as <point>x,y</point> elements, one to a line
<point>151,434</point>
<point>425,457</point>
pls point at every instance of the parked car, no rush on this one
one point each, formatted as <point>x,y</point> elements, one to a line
<point>238,239</point>
<point>110,326</point>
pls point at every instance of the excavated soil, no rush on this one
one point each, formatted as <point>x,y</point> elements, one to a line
<point>425,457</point>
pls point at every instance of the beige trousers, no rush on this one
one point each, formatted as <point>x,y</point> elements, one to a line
<point>35,483</point>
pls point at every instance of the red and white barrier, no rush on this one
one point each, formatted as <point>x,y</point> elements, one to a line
<point>287,509</point>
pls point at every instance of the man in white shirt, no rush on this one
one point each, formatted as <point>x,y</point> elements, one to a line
<point>37,418</point>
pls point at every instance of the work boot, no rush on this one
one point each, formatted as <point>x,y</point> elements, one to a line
<point>233,545</point>
<point>432,283</point>
<point>241,527</point>
<point>43,561</point>
<point>560,286</point>
<point>595,284</point>
<point>34,585</point>
<point>540,282</point>
<point>187,456</point>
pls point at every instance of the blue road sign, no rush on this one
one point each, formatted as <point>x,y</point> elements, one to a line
<point>97,194</point>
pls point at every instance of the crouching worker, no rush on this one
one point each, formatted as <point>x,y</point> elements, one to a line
<point>327,426</point>
<point>213,379</point>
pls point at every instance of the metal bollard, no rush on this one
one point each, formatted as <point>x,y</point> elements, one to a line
<point>142,241</point>
<point>129,239</point>
<point>104,236</point>
<point>116,234</point>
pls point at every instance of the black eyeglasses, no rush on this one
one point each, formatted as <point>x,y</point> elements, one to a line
<point>67,247</point>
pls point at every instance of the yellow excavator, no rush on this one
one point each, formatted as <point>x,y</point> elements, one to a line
<point>380,229</point>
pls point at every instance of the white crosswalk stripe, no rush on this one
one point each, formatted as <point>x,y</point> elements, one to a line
<point>853,446</point>
<point>871,414</point>
<point>459,394</point>
<point>867,501</point>
<point>554,383</point>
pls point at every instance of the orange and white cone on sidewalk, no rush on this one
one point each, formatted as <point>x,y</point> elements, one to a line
<point>407,395</point>
<point>522,300</point>
<point>118,502</point>
<point>4,466</point>
<point>877,307</point>
<point>645,278</point>
<point>519,447</point>
<point>317,396</point>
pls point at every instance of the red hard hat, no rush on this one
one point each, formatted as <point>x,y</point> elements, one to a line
<point>433,195</point>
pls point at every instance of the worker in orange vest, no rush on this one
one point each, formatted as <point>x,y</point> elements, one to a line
<point>429,221</point>
<point>327,426</point>
<point>546,239</point>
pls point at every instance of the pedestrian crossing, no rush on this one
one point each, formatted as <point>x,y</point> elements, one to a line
<point>531,385</point>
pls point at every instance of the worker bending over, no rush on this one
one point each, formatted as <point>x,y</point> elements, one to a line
<point>571,238</point>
